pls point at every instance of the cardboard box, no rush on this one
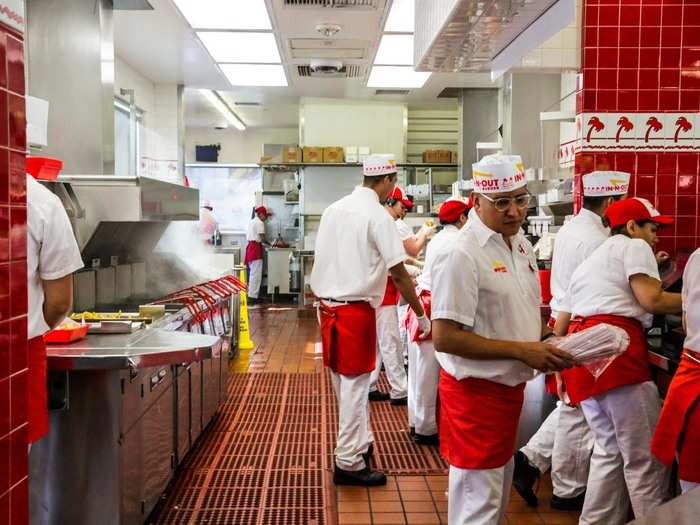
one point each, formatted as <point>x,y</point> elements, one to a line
<point>333,155</point>
<point>291,154</point>
<point>362,153</point>
<point>437,156</point>
<point>351,154</point>
<point>454,158</point>
<point>313,155</point>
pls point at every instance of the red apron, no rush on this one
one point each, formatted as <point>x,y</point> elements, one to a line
<point>349,338</point>
<point>37,397</point>
<point>632,367</point>
<point>253,252</point>
<point>478,422</point>
<point>391,293</point>
<point>411,322</point>
<point>678,428</point>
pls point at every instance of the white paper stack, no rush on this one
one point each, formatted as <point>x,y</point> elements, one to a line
<point>595,347</point>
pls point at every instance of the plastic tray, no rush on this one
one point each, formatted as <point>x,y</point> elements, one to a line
<point>66,336</point>
<point>44,168</point>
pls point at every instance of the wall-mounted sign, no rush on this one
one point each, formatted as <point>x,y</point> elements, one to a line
<point>12,14</point>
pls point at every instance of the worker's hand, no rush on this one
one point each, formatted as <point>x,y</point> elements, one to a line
<point>428,230</point>
<point>545,357</point>
<point>413,271</point>
<point>662,257</point>
<point>425,326</point>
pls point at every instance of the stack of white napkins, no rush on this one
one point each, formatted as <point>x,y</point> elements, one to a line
<point>595,347</point>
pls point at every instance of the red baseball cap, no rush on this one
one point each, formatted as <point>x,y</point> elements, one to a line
<point>451,210</point>
<point>634,209</point>
<point>261,209</point>
<point>400,195</point>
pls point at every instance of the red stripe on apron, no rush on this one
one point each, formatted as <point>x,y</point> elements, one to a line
<point>632,367</point>
<point>411,322</point>
<point>391,293</point>
<point>678,429</point>
<point>349,338</point>
<point>37,397</point>
<point>253,252</point>
<point>478,422</point>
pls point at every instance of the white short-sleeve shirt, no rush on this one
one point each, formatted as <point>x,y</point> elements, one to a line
<point>575,241</point>
<point>256,229</point>
<point>493,291</point>
<point>405,231</point>
<point>356,244</point>
<point>601,284</point>
<point>442,240</point>
<point>691,301</point>
<point>52,251</point>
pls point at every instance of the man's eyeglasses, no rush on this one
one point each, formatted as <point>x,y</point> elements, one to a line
<point>503,203</point>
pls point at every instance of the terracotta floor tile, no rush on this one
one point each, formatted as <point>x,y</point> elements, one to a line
<point>517,504</point>
<point>412,478</point>
<point>441,506</point>
<point>412,485</point>
<point>353,506</point>
<point>559,518</point>
<point>384,496</point>
<point>352,496</point>
<point>443,518</point>
<point>352,518</point>
<point>439,495</point>
<point>422,518</point>
<point>387,506</point>
<point>437,482</point>
<point>419,506</point>
<point>416,495</point>
<point>389,518</point>
<point>519,518</point>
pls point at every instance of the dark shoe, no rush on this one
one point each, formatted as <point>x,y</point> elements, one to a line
<point>412,431</point>
<point>364,477</point>
<point>524,478</point>
<point>368,455</point>
<point>400,401</point>
<point>575,503</point>
<point>378,395</point>
<point>432,439</point>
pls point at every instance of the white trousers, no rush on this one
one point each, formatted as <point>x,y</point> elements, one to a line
<point>354,434</point>
<point>563,443</point>
<point>427,373</point>
<point>255,278</point>
<point>390,352</point>
<point>478,497</point>
<point>687,486</point>
<point>623,468</point>
<point>413,351</point>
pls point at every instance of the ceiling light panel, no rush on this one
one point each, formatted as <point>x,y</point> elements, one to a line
<point>254,74</point>
<point>401,17</point>
<point>229,14</point>
<point>216,101</point>
<point>246,48</point>
<point>395,50</point>
<point>396,77</point>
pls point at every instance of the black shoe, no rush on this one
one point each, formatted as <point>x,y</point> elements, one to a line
<point>432,439</point>
<point>368,455</point>
<point>524,478</point>
<point>378,395</point>
<point>575,503</point>
<point>400,401</point>
<point>364,477</point>
<point>412,431</point>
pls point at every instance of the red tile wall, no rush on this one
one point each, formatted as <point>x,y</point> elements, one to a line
<point>641,58</point>
<point>13,282</point>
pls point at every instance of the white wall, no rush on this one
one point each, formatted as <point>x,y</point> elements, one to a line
<point>145,97</point>
<point>238,147</point>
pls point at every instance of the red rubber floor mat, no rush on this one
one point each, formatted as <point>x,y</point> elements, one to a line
<point>395,452</point>
<point>262,461</point>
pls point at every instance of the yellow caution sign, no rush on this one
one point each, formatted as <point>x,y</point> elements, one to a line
<point>244,340</point>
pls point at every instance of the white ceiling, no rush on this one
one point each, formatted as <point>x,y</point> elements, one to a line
<point>162,47</point>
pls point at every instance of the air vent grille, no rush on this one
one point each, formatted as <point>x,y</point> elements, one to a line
<point>339,4</point>
<point>347,71</point>
<point>392,92</point>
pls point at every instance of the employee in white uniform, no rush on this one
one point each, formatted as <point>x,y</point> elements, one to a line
<point>678,432</point>
<point>564,440</point>
<point>423,368</point>
<point>619,284</point>
<point>356,245</point>
<point>207,224</point>
<point>487,331</point>
<point>254,251</point>
<point>52,257</point>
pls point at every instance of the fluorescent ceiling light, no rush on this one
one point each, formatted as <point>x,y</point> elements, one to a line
<point>216,101</point>
<point>254,74</point>
<point>251,48</point>
<point>396,77</point>
<point>395,50</point>
<point>401,17</point>
<point>229,14</point>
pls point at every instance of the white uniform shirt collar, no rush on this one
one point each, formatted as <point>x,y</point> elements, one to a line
<point>483,233</point>
<point>591,217</point>
<point>368,193</point>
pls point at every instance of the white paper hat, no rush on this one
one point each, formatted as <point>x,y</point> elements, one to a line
<point>605,183</point>
<point>499,173</point>
<point>379,164</point>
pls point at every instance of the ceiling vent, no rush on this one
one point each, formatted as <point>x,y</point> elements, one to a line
<point>392,92</point>
<point>346,71</point>
<point>339,4</point>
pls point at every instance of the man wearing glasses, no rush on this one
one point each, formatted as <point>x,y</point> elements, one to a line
<point>487,333</point>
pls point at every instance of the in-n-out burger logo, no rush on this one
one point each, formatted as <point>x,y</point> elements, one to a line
<point>487,181</point>
<point>11,14</point>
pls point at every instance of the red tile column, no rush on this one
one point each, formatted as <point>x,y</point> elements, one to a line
<point>638,104</point>
<point>13,281</point>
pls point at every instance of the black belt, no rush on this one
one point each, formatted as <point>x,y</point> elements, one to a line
<point>343,301</point>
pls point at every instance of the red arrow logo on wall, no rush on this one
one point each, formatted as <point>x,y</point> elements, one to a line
<point>683,125</point>
<point>594,123</point>
<point>652,124</point>
<point>623,124</point>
